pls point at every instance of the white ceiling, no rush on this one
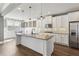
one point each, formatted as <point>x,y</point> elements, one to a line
<point>1,6</point>
<point>47,9</point>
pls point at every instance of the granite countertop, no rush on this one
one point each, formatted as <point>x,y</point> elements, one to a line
<point>61,33</point>
<point>43,36</point>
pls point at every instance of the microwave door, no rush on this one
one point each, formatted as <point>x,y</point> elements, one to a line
<point>73,35</point>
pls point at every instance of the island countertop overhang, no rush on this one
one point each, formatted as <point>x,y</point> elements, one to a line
<point>38,36</point>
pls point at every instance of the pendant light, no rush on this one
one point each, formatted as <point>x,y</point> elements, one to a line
<point>30,12</point>
<point>41,17</point>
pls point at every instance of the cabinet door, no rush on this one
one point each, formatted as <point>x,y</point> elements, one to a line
<point>64,20</point>
<point>65,23</point>
<point>34,23</point>
<point>58,21</point>
<point>64,39</point>
<point>23,24</point>
<point>48,19</point>
<point>74,16</point>
<point>26,24</point>
<point>30,23</point>
<point>58,38</point>
<point>54,37</point>
<point>54,22</point>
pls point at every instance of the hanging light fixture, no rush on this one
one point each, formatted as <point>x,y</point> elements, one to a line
<point>30,12</point>
<point>41,17</point>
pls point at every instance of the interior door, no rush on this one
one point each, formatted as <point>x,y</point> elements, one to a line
<point>73,35</point>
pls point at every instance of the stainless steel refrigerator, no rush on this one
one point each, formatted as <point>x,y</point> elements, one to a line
<point>74,34</point>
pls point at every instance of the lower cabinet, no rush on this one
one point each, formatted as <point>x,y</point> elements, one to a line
<point>45,47</point>
<point>18,40</point>
<point>62,39</point>
<point>65,40</point>
<point>58,38</point>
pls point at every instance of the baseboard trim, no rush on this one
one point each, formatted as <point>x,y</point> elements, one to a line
<point>5,41</point>
<point>9,38</point>
<point>61,44</point>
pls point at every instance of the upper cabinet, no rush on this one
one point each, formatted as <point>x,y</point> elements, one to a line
<point>29,24</point>
<point>34,23</point>
<point>26,24</point>
<point>48,19</point>
<point>54,21</point>
<point>23,24</point>
<point>12,22</point>
<point>74,16</point>
<point>60,23</point>
<point>65,21</point>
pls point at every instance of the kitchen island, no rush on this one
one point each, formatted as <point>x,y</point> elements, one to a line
<point>41,43</point>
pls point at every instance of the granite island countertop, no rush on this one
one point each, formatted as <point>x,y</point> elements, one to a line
<point>42,36</point>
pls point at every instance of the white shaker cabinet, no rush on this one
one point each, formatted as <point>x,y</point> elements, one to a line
<point>61,36</point>
<point>54,22</point>
<point>18,40</point>
<point>64,39</point>
<point>45,47</point>
<point>74,16</point>
<point>61,21</point>
<point>58,38</point>
<point>48,19</point>
<point>58,21</point>
<point>64,21</point>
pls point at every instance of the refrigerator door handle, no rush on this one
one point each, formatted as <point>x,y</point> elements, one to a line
<point>73,33</point>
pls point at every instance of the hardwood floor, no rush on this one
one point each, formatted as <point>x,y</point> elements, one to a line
<point>10,49</point>
<point>65,51</point>
<point>28,52</point>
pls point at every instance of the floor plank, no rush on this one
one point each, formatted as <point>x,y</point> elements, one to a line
<point>10,49</point>
<point>65,51</point>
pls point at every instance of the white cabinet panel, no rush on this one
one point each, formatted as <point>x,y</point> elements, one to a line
<point>65,20</point>
<point>54,22</point>
<point>58,38</point>
<point>62,39</point>
<point>50,46</point>
<point>35,44</point>
<point>65,40</point>
<point>48,19</point>
<point>58,21</point>
<point>74,16</point>
<point>61,21</point>
<point>44,47</point>
<point>65,23</point>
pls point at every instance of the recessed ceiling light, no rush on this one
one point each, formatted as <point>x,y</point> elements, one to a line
<point>19,8</point>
